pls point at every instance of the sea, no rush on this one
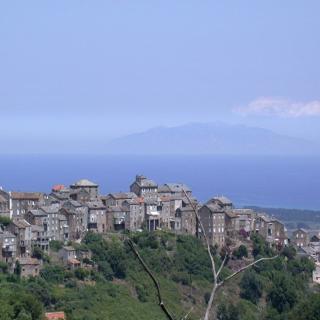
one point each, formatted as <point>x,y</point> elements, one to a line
<point>266,181</point>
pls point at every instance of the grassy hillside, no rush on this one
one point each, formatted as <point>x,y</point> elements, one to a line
<point>117,288</point>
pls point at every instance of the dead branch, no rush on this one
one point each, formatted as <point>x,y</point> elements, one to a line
<point>155,281</point>
<point>244,268</point>
<point>215,273</point>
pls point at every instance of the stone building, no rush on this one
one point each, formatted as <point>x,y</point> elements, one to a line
<point>144,187</point>
<point>8,243</point>
<point>76,219</point>
<point>91,189</point>
<point>30,267</point>
<point>97,220</point>
<point>185,221</point>
<point>240,222</point>
<point>117,199</point>
<point>4,203</point>
<point>272,230</point>
<point>134,214</point>
<point>21,202</point>
<point>212,217</point>
<point>300,237</point>
<point>22,230</point>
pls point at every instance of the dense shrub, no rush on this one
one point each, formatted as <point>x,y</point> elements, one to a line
<point>251,287</point>
<point>240,252</point>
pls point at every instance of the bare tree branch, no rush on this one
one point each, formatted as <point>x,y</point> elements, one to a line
<point>187,315</point>
<point>222,264</point>
<point>215,273</point>
<point>155,281</point>
<point>213,265</point>
<point>244,268</point>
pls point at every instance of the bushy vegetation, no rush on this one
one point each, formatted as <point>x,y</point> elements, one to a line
<point>116,287</point>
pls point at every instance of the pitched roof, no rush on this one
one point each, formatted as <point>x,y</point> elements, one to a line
<point>21,223</point>
<point>174,187</point>
<point>122,195</point>
<point>26,195</point>
<point>37,213</point>
<point>84,183</point>
<point>53,208</point>
<point>145,182</point>
<point>58,187</point>
<point>29,261</point>
<point>55,315</point>
<point>95,205</point>
<point>224,200</point>
<point>214,208</point>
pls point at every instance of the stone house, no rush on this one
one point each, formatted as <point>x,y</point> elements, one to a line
<point>164,208</point>
<point>152,210</point>
<point>117,199</point>
<point>39,238</point>
<point>30,267</point>
<point>68,256</point>
<point>21,202</point>
<point>185,221</point>
<point>8,243</point>
<point>55,223</point>
<point>97,216</point>
<point>91,188</point>
<point>300,237</point>
<point>239,222</point>
<point>77,219</point>
<point>116,218</point>
<point>52,220</point>
<point>67,252</point>
<point>212,217</point>
<point>134,214</point>
<point>22,230</point>
<point>272,230</point>
<point>144,187</point>
<point>4,203</point>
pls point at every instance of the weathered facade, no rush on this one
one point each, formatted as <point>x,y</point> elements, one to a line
<point>213,221</point>
<point>91,189</point>
<point>76,219</point>
<point>8,243</point>
<point>272,230</point>
<point>185,221</point>
<point>21,202</point>
<point>300,237</point>
<point>97,216</point>
<point>144,187</point>
<point>22,230</point>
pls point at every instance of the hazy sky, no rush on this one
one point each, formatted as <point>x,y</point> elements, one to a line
<point>86,71</point>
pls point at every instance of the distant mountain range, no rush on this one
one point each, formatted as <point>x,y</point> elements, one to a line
<point>210,138</point>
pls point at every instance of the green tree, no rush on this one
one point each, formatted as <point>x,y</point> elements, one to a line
<point>283,294</point>
<point>228,312</point>
<point>240,252</point>
<point>307,309</point>
<point>251,287</point>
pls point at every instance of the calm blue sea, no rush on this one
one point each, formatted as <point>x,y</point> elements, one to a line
<point>291,182</point>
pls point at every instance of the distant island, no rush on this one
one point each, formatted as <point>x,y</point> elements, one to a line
<point>210,138</point>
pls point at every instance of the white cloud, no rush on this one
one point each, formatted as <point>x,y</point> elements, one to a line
<point>269,106</point>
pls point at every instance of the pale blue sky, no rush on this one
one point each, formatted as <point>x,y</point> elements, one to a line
<point>74,71</point>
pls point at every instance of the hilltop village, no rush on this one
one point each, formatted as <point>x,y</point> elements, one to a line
<point>33,220</point>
